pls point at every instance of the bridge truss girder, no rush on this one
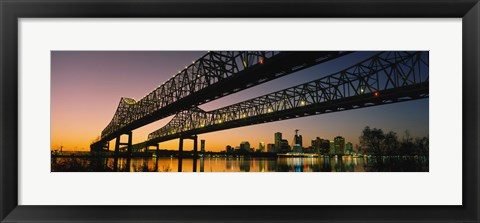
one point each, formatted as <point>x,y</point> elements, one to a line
<point>200,82</point>
<point>386,77</point>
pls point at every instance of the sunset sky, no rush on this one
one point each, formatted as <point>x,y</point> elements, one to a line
<point>87,87</point>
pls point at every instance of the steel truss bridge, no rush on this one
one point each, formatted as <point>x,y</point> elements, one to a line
<point>386,77</point>
<point>214,75</point>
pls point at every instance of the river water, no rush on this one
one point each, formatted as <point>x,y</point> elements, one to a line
<point>210,164</point>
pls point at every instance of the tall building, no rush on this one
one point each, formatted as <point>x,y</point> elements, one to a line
<point>261,147</point>
<point>284,146</point>
<point>278,141</point>
<point>297,139</point>
<point>202,145</point>
<point>331,150</point>
<point>245,146</point>
<point>349,148</point>
<point>339,145</point>
<point>297,143</point>
<point>316,144</point>
<point>324,146</point>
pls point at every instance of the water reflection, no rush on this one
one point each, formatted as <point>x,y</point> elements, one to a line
<point>241,164</point>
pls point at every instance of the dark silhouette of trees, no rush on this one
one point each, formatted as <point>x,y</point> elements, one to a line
<point>373,141</point>
<point>391,144</point>
<point>377,143</point>
<point>422,146</point>
<point>392,154</point>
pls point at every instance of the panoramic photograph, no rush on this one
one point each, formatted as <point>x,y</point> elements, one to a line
<point>239,111</point>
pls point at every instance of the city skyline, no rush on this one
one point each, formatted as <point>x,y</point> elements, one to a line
<point>306,144</point>
<point>87,86</point>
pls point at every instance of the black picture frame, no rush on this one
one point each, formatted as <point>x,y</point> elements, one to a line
<point>12,10</point>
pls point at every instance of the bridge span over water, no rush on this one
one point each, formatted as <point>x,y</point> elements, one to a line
<point>386,77</point>
<point>214,75</point>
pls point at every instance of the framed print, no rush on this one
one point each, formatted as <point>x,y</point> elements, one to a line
<point>163,111</point>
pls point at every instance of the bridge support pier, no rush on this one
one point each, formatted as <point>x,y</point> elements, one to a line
<point>180,147</point>
<point>118,143</point>
<point>129,146</point>
<point>180,151</point>
<point>115,155</point>
<point>195,144</point>
<point>117,146</point>
<point>194,164</point>
<point>180,154</point>
<point>195,153</point>
<point>157,148</point>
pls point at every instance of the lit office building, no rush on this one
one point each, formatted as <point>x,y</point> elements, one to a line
<point>284,146</point>
<point>324,146</point>
<point>278,141</point>
<point>331,150</point>
<point>349,148</point>
<point>339,145</point>
<point>297,143</point>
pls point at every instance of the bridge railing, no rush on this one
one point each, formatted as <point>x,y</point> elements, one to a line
<point>381,72</point>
